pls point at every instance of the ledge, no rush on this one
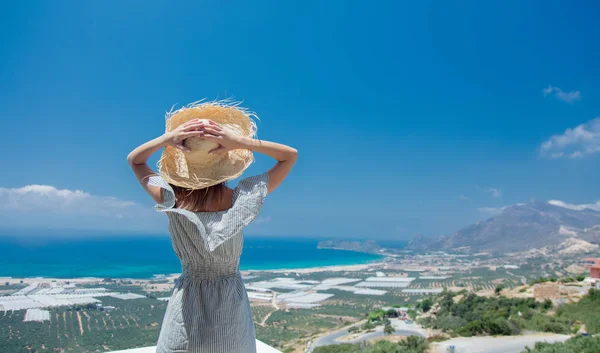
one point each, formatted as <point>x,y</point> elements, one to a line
<point>260,348</point>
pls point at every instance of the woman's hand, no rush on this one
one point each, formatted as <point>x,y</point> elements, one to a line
<point>227,139</point>
<point>175,138</point>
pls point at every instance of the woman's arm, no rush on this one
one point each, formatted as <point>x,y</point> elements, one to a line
<point>286,157</point>
<point>139,156</point>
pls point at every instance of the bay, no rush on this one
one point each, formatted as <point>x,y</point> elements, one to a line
<point>139,256</point>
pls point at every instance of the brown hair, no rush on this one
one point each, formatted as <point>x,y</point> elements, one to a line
<point>199,200</point>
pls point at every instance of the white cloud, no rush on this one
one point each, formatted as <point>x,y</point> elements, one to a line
<point>492,211</point>
<point>569,97</point>
<point>494,192</point>
<point>45,205</point>
<point>49,198</point>
<point>581,207</point>
<point>577,142</point>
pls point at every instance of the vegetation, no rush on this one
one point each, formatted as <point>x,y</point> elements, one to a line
<point>376,315</point>
<point>474,315</point>
<point>412,314</point>
<point>367,326</point>
<point>425,305</point>
<point>413,344</point>
<point>83,328</point>
<point>586,311</point>
<point>391,312</point>
<point>137,322</point>
<point>577,344</point>
<point>283,326</point>
<point>578,278</point>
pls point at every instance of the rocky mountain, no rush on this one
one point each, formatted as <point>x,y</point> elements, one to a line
<point>522,227</point>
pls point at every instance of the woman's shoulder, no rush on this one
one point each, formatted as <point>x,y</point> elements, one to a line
<point>167,192</point>
<point>253,184</point>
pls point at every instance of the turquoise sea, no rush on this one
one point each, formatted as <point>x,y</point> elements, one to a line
<point>90,255</point>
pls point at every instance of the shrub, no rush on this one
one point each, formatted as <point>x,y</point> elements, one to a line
<point>450,323</point>
<point>415,344</point>
<point>367,326</point>
<point>578,344</point>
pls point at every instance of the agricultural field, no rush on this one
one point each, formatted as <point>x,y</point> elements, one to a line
<point>134,323</point>
<point>285,326</point>
<point>260,313</point>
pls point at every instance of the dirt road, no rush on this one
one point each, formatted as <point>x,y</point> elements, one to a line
<point>507,344</point>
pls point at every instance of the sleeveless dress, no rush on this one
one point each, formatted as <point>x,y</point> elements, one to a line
<point>209,310</point>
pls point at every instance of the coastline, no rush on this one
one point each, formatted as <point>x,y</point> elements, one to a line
<point>145,258</point>
<point>356,267</point>
<point>303,270</point>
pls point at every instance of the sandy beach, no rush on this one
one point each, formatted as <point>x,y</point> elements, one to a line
<point>172,276</point>
<point>359,267</point>
<point>30,280</point>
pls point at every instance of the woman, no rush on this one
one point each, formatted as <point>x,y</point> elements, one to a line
<point>204,146</point>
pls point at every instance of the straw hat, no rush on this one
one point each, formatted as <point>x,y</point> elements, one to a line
<point>198,169</point>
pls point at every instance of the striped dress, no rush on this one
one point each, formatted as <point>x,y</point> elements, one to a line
<point>209,310</point>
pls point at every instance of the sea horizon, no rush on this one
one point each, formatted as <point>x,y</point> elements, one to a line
<point>141,257</point>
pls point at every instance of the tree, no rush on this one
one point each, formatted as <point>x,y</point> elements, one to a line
<point>391,312</point>
<point>412,314</point>
<point>499,289</point>
<point>580,278</point>
<point>376,315</point>
<point>388,329</point>
<point>426,304</point>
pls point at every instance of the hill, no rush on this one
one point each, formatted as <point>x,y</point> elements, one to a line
<point>471,315</point>
<point>523,227</point>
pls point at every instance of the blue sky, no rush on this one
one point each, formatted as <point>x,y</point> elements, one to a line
<point>410,117</point>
